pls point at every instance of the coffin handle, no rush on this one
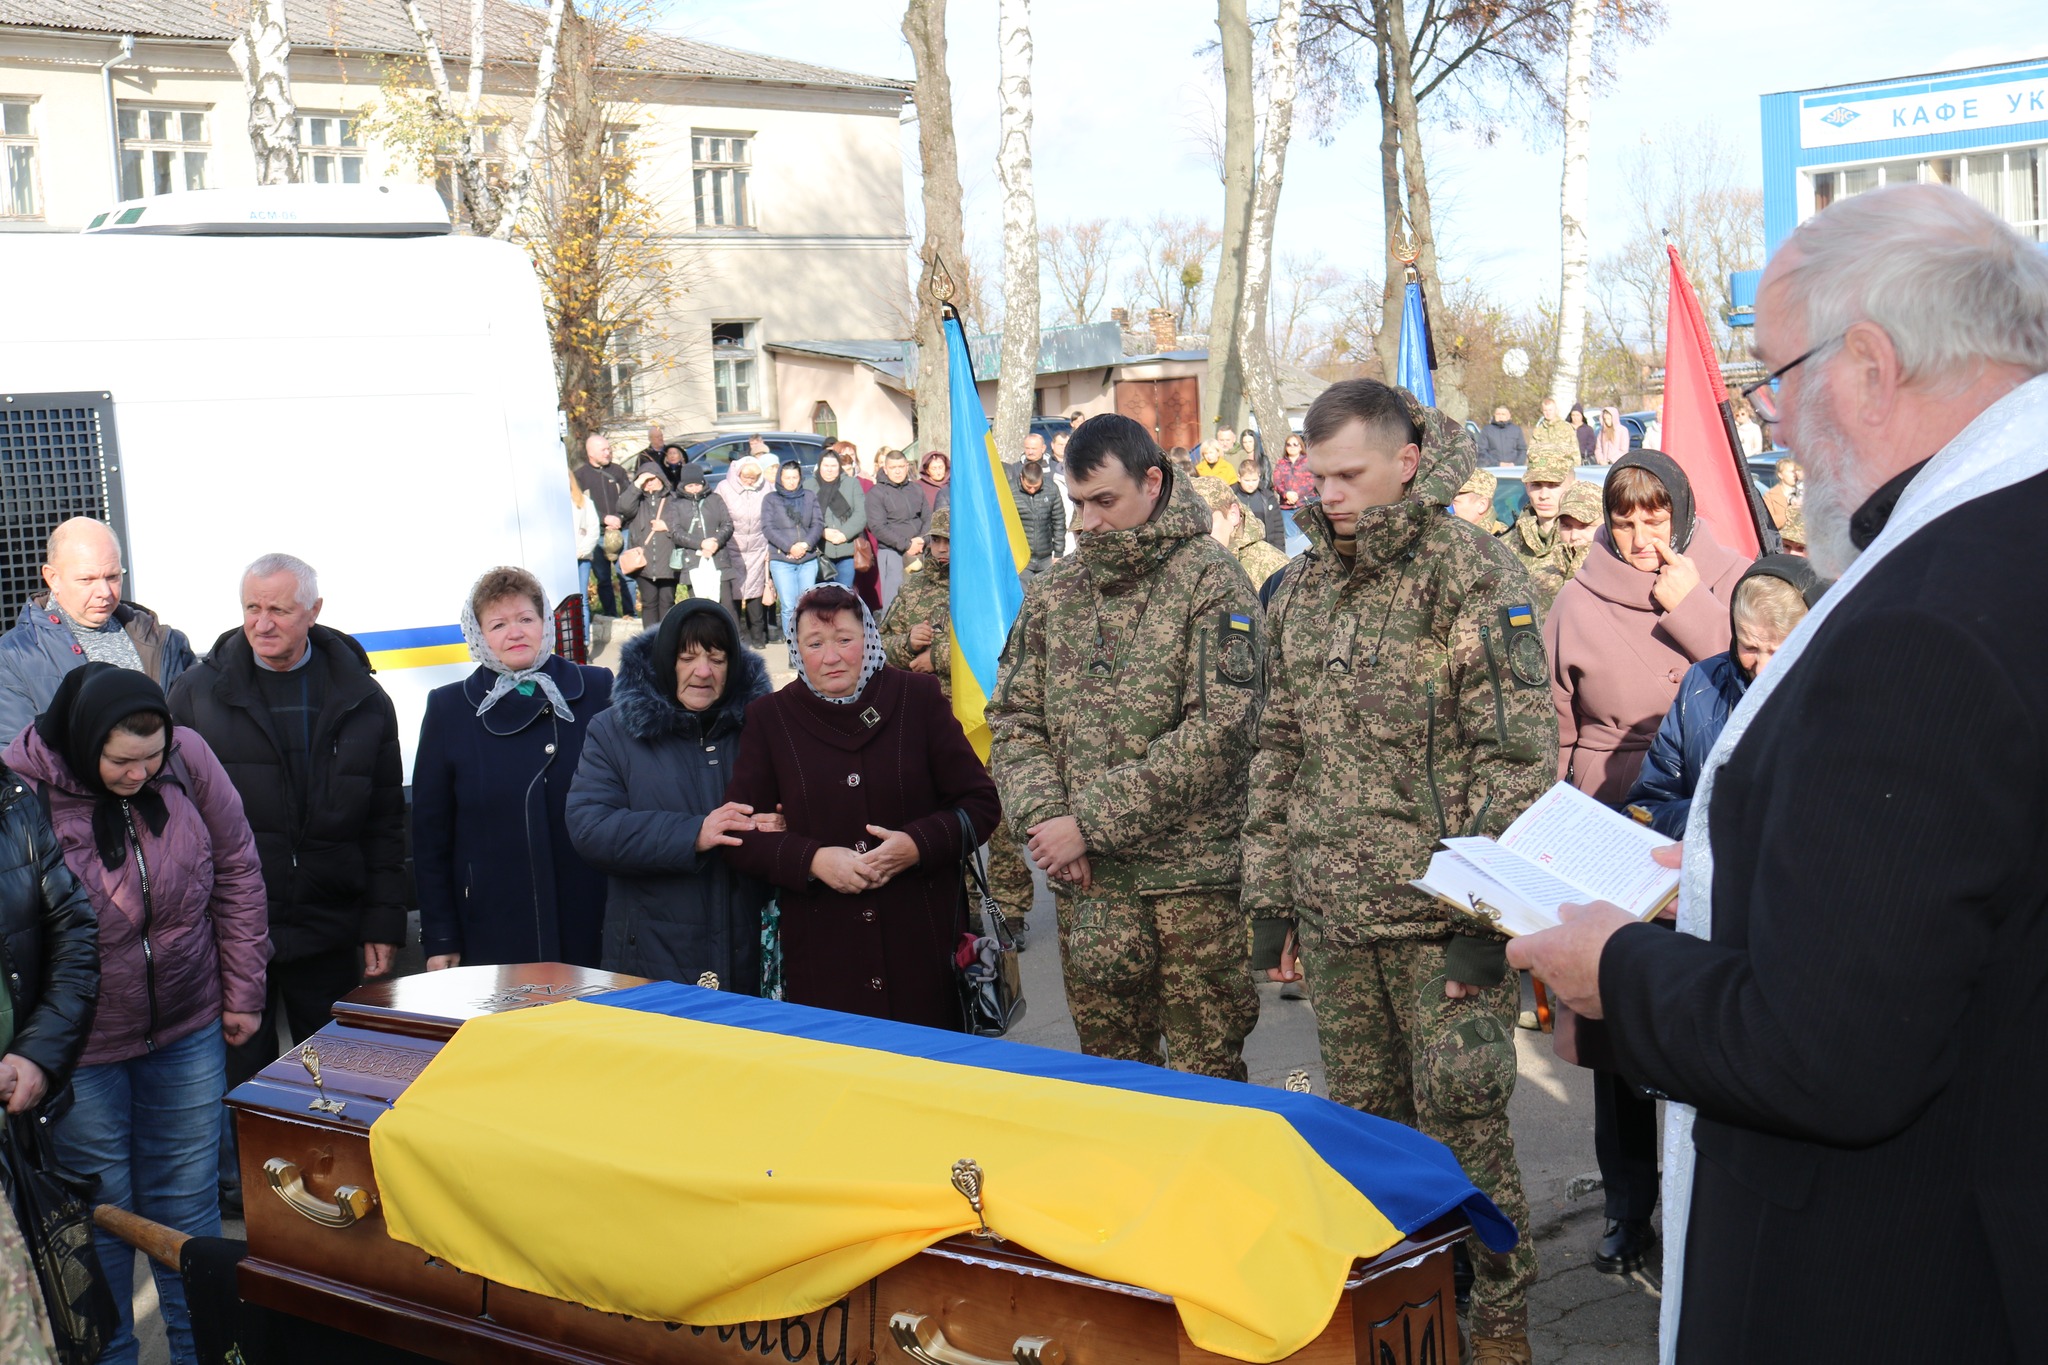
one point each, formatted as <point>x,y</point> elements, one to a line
<point>352,1203</point>
<point>920,1338</point>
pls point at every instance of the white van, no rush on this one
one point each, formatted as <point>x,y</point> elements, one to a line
<point>318,370</point>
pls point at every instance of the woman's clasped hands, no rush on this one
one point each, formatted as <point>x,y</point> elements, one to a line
<point>852,873</point>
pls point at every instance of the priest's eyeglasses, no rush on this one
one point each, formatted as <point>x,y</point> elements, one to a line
<point>1763,398</point>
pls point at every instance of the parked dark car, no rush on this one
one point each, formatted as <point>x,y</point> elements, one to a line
<point>716,450</point>
<point>1049,427</point>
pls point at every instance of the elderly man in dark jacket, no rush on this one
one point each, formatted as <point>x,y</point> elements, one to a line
<point>52,943</point>
<point>311,743</point>
<point>897,518</point>
<point>652,776</point>
<point>79,617</point>
<point>1043,512</point>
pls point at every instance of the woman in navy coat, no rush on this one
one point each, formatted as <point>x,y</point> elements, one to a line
<point>499,880</point>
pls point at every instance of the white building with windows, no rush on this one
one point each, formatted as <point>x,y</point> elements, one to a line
<point>779,184</point>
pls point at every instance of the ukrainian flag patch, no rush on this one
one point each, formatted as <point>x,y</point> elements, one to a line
<point>1244,623</point>
<point>1521,617</point>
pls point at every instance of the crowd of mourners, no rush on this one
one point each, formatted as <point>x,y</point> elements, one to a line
<point>1225,762</point>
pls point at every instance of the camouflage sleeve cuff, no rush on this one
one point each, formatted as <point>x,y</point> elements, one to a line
<point>1476,961</point>
<point>1269,939</point>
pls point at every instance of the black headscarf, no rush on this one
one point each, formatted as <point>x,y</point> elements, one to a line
<point>832,492</point>
<point>789,494</point>
<point>1666,471</point>
<point>89,703</point>
<point>668,643</point>
<point>689,474</point>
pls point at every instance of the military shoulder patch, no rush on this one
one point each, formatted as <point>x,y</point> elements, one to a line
<point>1523,640</point>
<point>1237,654</point>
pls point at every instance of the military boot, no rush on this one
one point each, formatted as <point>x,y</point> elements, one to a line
<point>1512,1350</point>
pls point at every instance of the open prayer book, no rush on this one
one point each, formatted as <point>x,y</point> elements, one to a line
<point>1565,849</point>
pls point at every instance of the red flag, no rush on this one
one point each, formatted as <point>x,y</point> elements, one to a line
<point>1697,431</point>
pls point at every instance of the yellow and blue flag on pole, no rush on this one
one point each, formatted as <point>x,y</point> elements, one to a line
<point>1416,370</point>
<point>709,1158</point>
<point>989,549</point>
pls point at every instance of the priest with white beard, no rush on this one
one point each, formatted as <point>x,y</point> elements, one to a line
<point>1850,1027</point>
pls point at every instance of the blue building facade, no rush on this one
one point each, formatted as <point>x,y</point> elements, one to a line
<point>1983,130</point>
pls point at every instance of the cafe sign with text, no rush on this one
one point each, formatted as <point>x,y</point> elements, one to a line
<point>1970,103</point>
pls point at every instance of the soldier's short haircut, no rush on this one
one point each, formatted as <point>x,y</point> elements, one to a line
<point>1111,435</point>
<point>1382,408</point>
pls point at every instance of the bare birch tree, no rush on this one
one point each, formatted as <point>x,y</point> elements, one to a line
<point>1571,290</point>
<point>1262,382</point>
<point>1017,373</point>
<point>1078,256</point>
<point>944,254</point>
<point>1224,395</point>
<point>262,52</point>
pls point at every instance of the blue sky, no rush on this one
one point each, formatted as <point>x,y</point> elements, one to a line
<point>1121,89</point>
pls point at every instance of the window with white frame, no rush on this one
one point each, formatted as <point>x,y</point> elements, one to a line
<point>733,361</point>
<point>2012,182</point>
<point>20,192</point>
<point>329,151</point>
<point>162,150</point>
<point>618,395</point>
<point>719,166</point>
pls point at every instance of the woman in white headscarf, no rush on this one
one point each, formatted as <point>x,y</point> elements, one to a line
<point>499,880</point>
<point>743,492</point>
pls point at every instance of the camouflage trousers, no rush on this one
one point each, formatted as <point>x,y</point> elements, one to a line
<point>24,1325</point>
<point>1140,970</point>
<point>1394,1045</point>
<point>1009,876</point>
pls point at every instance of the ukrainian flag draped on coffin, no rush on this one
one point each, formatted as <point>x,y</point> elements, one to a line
<point>989,549</point>
<point>686,1155</point>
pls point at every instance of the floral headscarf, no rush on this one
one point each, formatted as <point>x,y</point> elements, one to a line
<point>522,680</point>
<point>871,655</point>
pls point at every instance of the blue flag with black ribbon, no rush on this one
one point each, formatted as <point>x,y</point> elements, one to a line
<point>1418,356</point>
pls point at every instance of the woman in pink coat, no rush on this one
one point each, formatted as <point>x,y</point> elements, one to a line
<point>1650,602</point>
<point>149,823</point>
<point>743,490</point>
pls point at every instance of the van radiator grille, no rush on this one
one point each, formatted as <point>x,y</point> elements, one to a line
<point>58,460</point>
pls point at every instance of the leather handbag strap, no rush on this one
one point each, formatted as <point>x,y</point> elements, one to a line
<point>970,854</point>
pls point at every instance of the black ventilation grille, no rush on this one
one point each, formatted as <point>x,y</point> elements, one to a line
<point>58,460</point>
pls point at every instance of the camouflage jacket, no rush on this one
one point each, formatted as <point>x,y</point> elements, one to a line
<point>1526,542</point>
<point>1127,697</point>
<point>1260,560</point>
<point>1549,574</point>
<point>1407,699</point>
<point>924,596</point>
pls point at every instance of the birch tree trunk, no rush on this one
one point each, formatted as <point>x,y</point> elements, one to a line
<point>519,174</point>
<point>1225,393</point>
<point>1262,382</point>
<point>1017,376</point>
<point>943,254</point>
<point>262,52</point>
<point>1571,293</point>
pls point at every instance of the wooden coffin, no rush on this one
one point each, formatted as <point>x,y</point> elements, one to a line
<point>318,1247</point>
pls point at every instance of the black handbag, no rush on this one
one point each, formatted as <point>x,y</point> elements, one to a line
<point>985,966</point>
<point>56,1224</point>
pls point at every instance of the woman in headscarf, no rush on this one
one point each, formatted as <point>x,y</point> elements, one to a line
<point>1612,442</point>
<point>872,773</point>
<point>937,471</point>
<point>1650,601</point>
<point>846,517</point>
<point>151,826</point>
<point>742,493</point>
<point>499,880</point>
<point>794,524</point>
<point>649,806</point>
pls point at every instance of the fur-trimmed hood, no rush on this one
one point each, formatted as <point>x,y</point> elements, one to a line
<point>647,715</point>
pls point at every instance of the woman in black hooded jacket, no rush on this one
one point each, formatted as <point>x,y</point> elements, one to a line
<point>49,954</point>
<point>648,808</point>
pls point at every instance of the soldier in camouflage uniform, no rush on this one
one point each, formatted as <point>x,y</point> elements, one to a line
<point>1474,502</point>
<point>1122,731</point>
<point>1579,514</point>
<point>917,634</point>
<point>24,1323</point>
<point>1406,701</point>
<point>1534,534</point>
<point>1238,533</point>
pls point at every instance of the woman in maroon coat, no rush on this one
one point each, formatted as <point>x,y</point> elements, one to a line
<point>868,766</point>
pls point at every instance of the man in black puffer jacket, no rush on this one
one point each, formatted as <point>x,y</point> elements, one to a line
<point>1042,510</point>
<point>51,951</point>
<point>310,741</point>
